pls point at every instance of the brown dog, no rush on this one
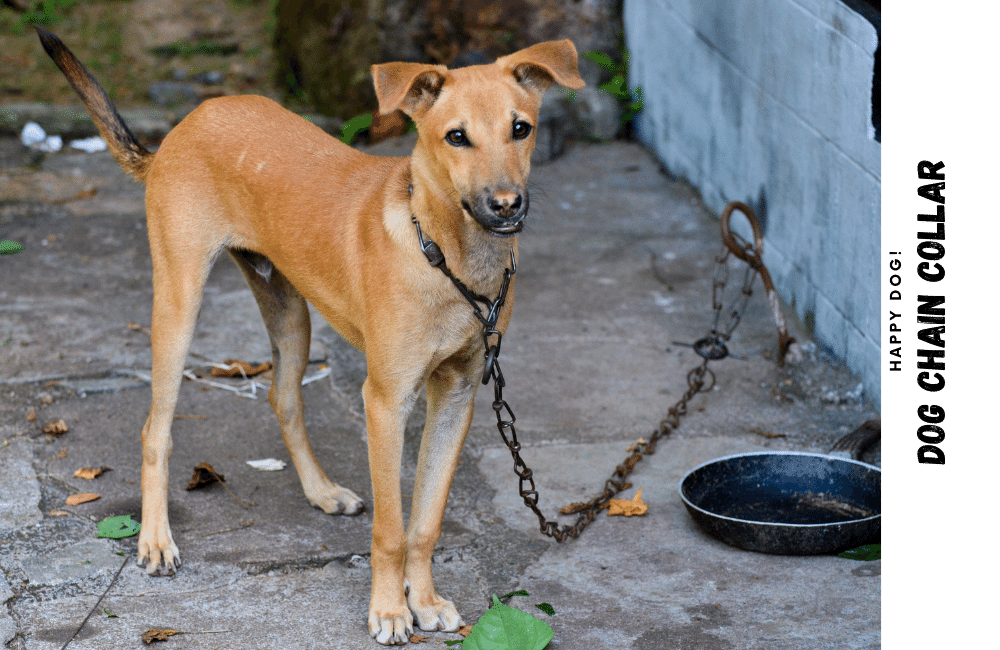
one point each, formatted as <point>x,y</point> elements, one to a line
<point>308,218</point>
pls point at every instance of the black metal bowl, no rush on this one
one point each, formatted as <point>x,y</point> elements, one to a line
<point>786,503</point>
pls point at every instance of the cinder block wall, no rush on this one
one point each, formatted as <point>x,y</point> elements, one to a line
<point>770,102</point>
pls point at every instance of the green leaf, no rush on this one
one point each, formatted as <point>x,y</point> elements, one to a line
<point>109,614</point>
<point>547,608</point>
<point>865,553</point>
<point>354,126</point>
<point>8,247</point>
<point>602,60</point>
<point>118,527</point>
<point>519,592</point>
<point>616,87</point>
<point>505,628</point>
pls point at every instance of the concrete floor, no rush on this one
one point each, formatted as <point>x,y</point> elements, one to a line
<point>616,265</point>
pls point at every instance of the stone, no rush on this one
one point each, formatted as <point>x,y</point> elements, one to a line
<point>173,93</point>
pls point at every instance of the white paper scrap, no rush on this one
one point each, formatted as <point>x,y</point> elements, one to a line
<point>267,464</point>
<point>90,145</point>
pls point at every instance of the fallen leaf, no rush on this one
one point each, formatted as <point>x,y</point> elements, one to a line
<point>204,474</point>
<point>57,513</point>
<point>628,507</point>
<point>45,399</point>
<point>77,499</point>
<point>157,635</point>
<point>416,638</point>
<point>55,427</point>
<point>505,627</point>
<point>239,368</point>
<point>118,527</point>
<point>32,416</point>
<point>89,473</point>
<point>465,630</point>
<point>62,454</point>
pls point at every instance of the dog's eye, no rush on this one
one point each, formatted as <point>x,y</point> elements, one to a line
<point>521,130</point>
<point>456,137</point>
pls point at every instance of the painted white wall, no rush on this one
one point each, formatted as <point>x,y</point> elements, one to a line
<point>769,102</point>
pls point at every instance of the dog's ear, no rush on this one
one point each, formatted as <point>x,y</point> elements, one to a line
<point>538,66</point>
<point>409,87</point>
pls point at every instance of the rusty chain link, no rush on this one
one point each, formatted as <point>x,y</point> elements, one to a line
<point>699,379</point>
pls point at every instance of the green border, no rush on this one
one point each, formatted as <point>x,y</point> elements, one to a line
<point>939,103</point>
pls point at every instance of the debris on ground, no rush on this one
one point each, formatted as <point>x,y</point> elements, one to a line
<point>83,497</point>
<point>204,474</point>
<point>55,427</point>
<point>34,136</point>
<point>267,464</point>
<point>628,507</point>
<point>118,527</point>
<point>237,368</point>
<point>90,473</point>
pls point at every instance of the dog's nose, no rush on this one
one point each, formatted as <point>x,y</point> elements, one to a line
<point>505,204</point>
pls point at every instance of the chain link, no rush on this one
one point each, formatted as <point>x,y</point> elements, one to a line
<point>699,379</point>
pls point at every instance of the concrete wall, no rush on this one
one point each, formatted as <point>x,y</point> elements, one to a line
<point>769,102</point>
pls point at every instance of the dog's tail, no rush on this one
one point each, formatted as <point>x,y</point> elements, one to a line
<point>132,156</point>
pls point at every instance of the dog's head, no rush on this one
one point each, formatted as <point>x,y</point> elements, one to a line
<point>477,125</point>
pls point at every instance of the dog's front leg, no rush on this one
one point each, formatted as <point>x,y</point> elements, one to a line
<point>450,392</point>
<point>386,408</point>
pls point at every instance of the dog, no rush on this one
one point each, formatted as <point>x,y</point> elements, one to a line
<point>307,218</point>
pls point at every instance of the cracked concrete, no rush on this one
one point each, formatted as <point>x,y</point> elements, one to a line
<point>616,265</point>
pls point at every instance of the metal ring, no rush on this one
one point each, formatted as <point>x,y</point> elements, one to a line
<point>752,255</point>
<point>711,348</point>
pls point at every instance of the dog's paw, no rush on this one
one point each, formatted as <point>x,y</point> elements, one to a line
<point>335,500</point>
<point>159,559</point>
<point>390,628</point>
<point>436,614</point>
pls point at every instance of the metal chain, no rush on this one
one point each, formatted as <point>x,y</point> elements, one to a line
<point>699,379</point>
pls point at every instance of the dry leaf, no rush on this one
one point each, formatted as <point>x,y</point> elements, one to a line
<point>240,368</point>
<point>44,400</point>
<point>89,473</point>
<point>157,635</point>
<point>628,507</point>
<point>77,499</point>
<point>57,513</point>
<point>62,454</point>
<point>55,427</point>
<point>416,638</point>
<point>32,416</point>
<point>465,630</point>
<point>204,474</point>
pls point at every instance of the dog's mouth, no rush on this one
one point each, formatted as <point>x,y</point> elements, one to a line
<point>507,229</point>
<point>492,223</point>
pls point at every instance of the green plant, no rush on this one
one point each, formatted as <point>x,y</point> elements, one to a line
<point>43,12</point>
<point>354,126</point>
<point>630,103</point>
<point>504,628</point>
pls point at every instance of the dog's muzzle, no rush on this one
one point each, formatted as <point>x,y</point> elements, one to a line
<point>500,212</point>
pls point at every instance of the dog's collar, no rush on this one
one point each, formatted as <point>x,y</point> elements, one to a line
<point>436,258</point>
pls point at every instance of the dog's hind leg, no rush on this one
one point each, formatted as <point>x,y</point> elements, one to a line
<point>286,315</point>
